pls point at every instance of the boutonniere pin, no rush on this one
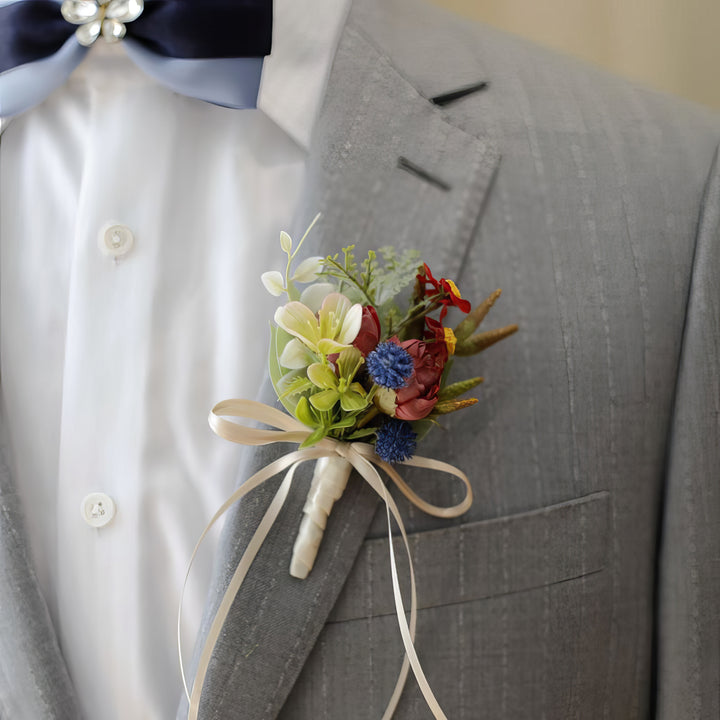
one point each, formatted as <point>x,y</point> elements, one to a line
<point>361,357</point>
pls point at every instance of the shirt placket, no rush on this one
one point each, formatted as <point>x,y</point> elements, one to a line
<point>100,475</point>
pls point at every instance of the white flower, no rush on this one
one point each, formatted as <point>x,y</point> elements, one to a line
<point>308,270</point>
<point>314,295</point>
<point>273,282</point>
<point>285,242</point>
<point>332,330</point>
<point>296,356</point>
<point>101,16</point>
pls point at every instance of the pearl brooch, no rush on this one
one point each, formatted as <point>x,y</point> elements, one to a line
<point>104,17</point>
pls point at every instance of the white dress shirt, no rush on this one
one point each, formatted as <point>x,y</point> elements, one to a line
<point>134,225</point>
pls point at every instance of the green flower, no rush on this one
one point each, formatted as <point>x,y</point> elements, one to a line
<point>340,387</point>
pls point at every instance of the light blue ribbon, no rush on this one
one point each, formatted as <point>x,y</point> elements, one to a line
<point>27,85</point>
<point>230,82</point>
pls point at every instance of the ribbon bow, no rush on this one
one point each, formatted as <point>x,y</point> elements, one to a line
<point>207,49</point>
<point>363,458</point>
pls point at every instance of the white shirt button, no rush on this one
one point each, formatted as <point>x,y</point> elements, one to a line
<point>97,509</point>
<point>115,240</point>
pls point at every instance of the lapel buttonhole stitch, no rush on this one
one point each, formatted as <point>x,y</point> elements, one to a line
<point>404,164</point>
<point>453,95</point>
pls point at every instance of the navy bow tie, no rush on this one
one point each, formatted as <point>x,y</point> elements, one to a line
<point>208,49</point>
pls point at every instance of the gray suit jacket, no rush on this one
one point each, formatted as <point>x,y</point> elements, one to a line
<point>584,581</point>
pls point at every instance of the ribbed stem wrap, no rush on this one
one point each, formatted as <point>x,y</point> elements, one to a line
<point>328,484</point>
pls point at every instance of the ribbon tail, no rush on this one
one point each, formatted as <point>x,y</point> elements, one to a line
<point>397,692</point>
<point>365,468</point>
<point>363,458</point>
<point>237,579</point>
<point>439,466</point>
<point>25,86</point>
<point>291,460</point>
<point>405,631</point>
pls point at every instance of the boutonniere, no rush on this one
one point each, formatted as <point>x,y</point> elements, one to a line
<point>361,358</point>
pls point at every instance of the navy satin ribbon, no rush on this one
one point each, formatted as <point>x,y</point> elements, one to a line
<point>223,39</point>
<point>31,30</point>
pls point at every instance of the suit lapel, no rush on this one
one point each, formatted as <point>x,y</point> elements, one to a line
<point>385,169</point>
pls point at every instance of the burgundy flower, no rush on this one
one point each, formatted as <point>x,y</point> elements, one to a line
<point>418,397</point>
<point>369,334</point>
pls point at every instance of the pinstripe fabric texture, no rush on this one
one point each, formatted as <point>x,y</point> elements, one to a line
<point>540,602</point>
<point>689,627</point>
<point>34,683</point>
<point>593,454</point>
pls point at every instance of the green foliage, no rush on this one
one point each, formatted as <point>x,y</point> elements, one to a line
<point>458,388</point>
<point>369,267</point>
<point>473,319</point>
<point>377,278</point>
<point>477,343</point>
<point>294,384</point>
<point>390,317</point>
<point>424,426</point>
<point>315,436</point>
<point>362,433</point>
<point>349,265</point>
<point>278,339</point>
<point>395,273</point>
<point>448,406</point>
<point>331,400</point>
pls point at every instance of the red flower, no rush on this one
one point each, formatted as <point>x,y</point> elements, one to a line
<point>419,396</point>
<point>439,287</point>
<point>440,335</point>
<point>369,335</point>
<point>435,330</point>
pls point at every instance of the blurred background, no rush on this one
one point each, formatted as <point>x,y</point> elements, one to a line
<point>671,45</point>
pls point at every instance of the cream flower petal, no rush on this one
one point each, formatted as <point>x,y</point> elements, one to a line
<point>273,282</point>
<point>328,347</point>
<point>308,270</point>
<point>314,295</point>
<point>285,242</point>
<point>300,321</point>
<point>332,313</point>
<point>295,355</point>
<point>350,325</point>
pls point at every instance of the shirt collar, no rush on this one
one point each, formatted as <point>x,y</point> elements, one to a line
<point>305,37</point>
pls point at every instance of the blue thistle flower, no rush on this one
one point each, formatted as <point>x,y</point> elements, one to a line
<point>396,441</point>
<point>389,365</point>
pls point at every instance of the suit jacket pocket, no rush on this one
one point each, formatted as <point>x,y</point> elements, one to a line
<point>483,559</point>
<point>514,622</point>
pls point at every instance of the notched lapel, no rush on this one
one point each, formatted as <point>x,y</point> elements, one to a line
<point>375,139</point>
<point>369,197</point>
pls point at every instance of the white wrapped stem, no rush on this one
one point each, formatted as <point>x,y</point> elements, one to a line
<point>328,484</point>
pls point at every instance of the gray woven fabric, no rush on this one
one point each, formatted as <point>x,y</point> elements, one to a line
<point>34,683</point>
<point>689,623</point>
<point>588,562</point>
<point>541,601</point>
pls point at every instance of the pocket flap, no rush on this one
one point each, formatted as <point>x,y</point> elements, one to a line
<point>482,559</point>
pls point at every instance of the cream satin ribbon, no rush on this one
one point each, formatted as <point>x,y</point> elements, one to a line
<point>363,458</point>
